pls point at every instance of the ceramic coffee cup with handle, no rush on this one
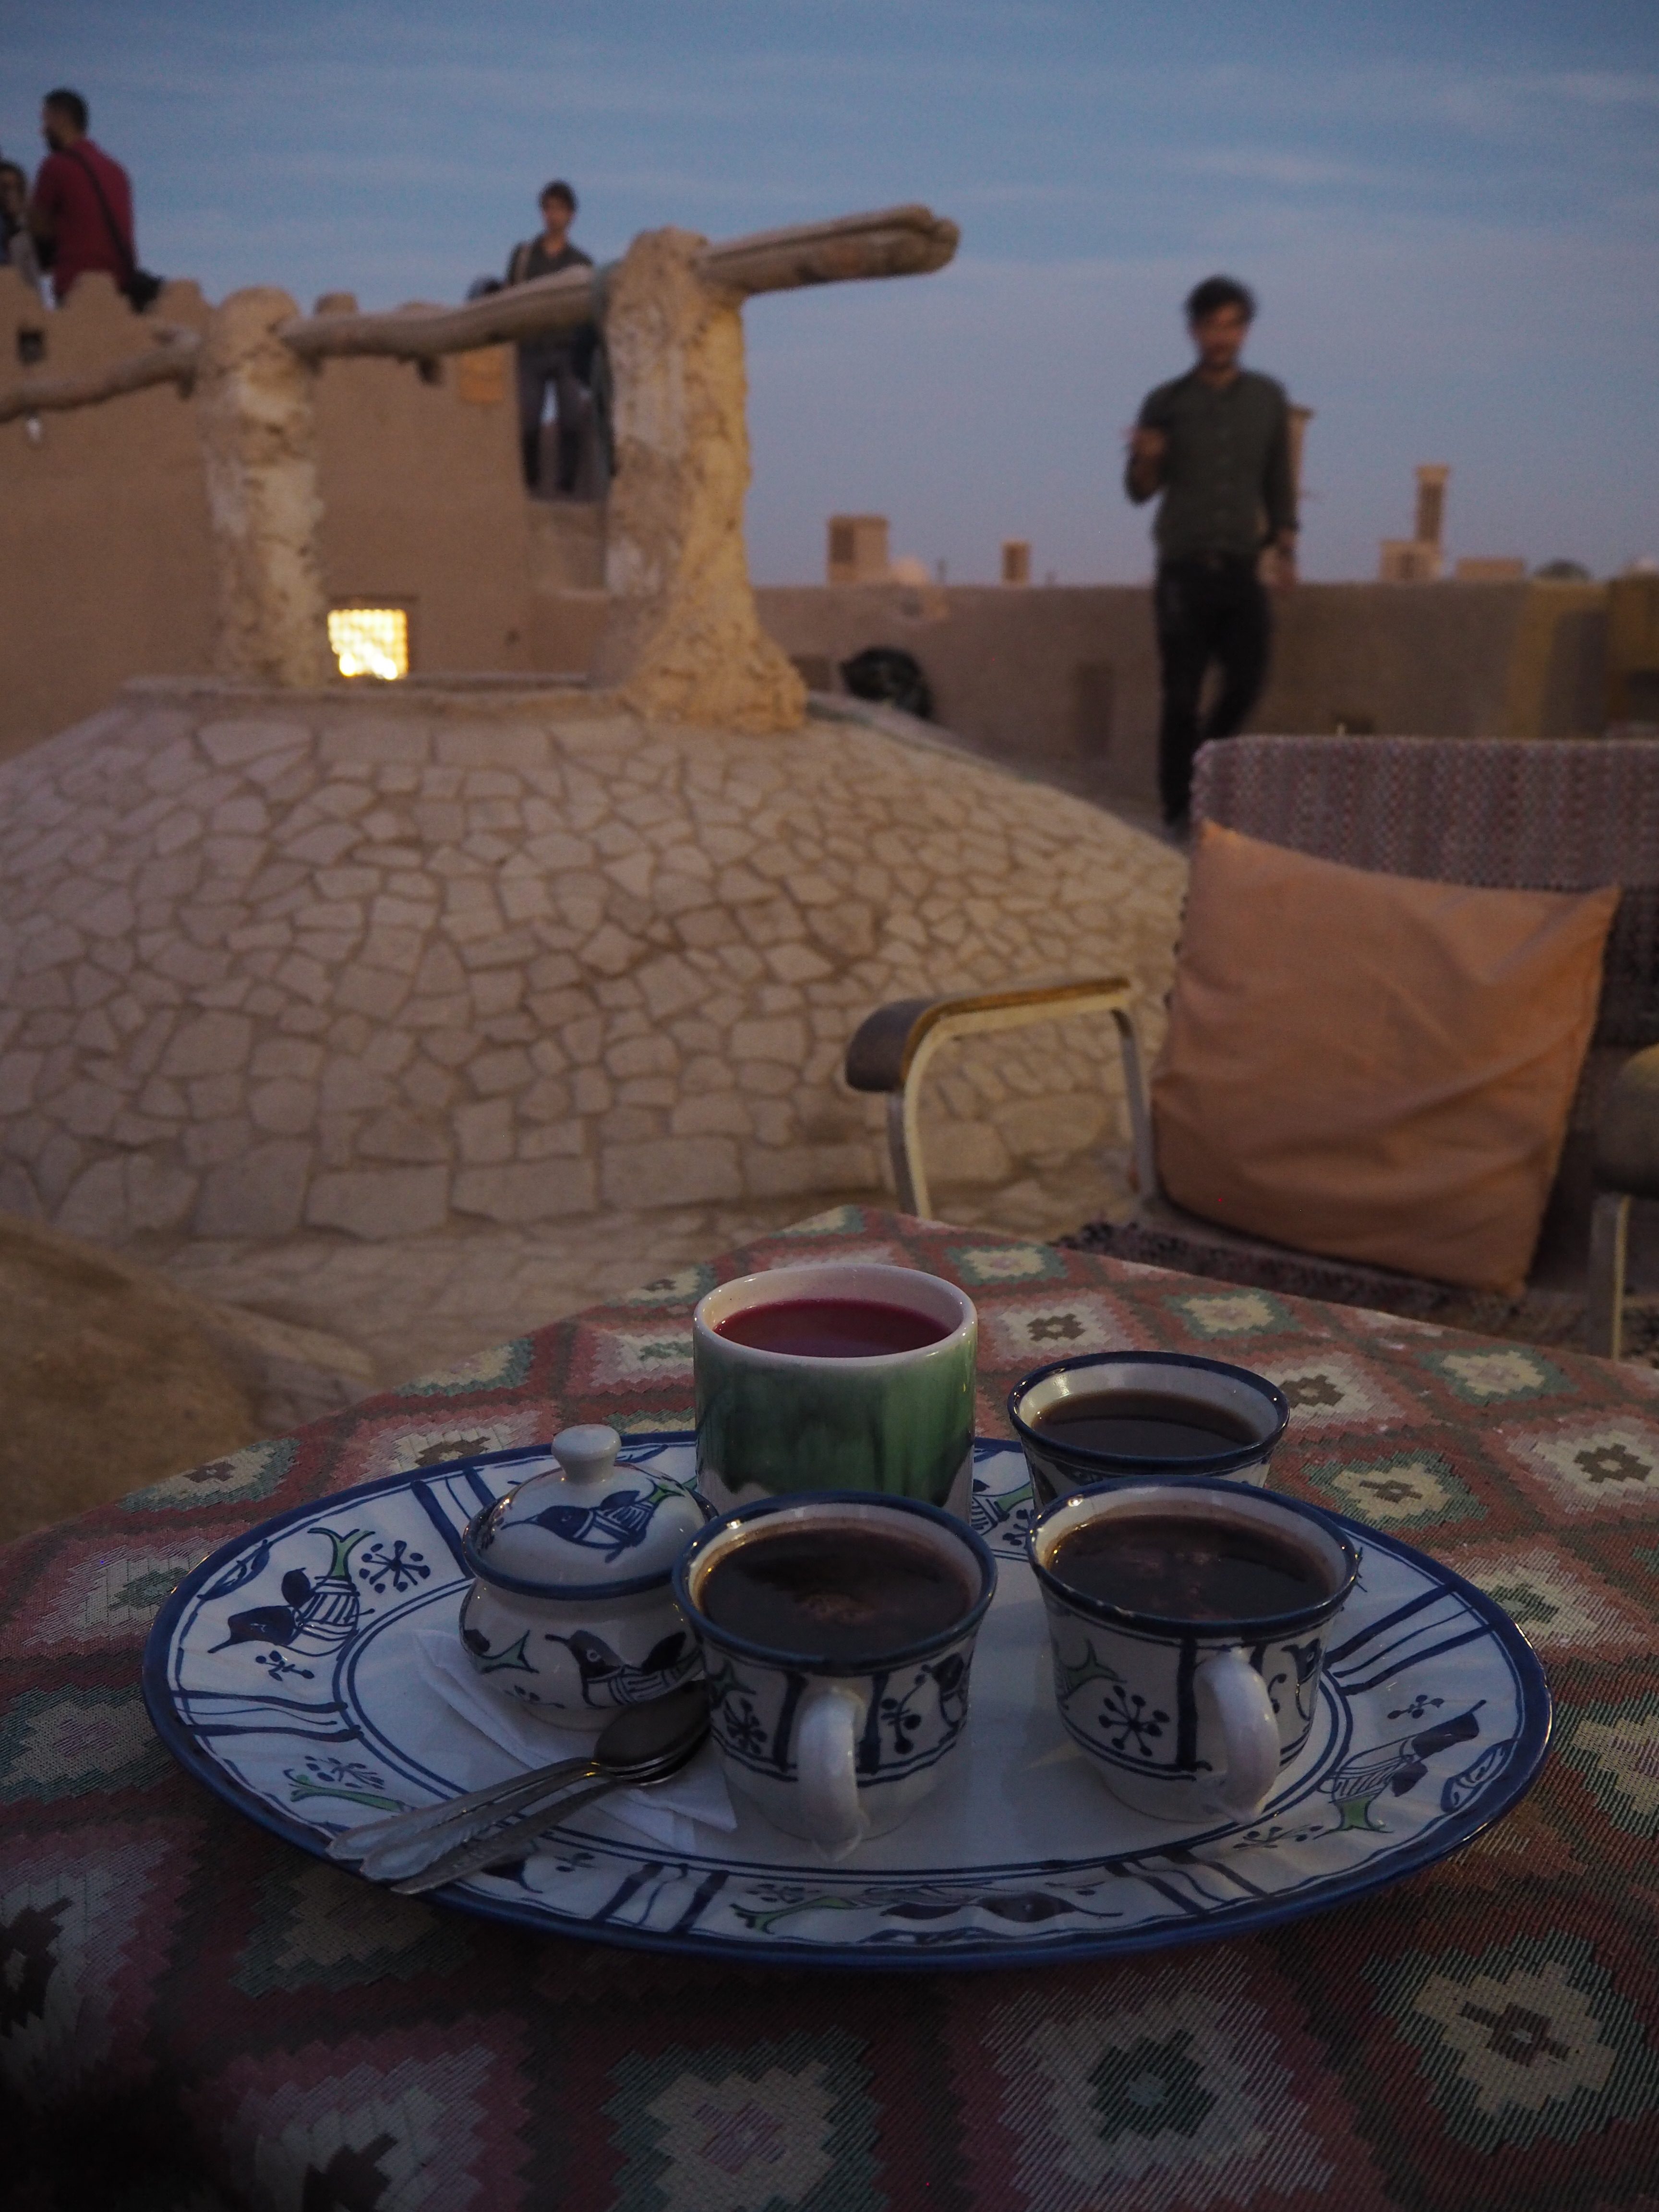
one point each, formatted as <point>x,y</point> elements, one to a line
<point>835,1749</point>
<point>1189,1719</point>
<point>775,1423</point>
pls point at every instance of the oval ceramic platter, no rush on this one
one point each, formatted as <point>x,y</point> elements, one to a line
<point>281,1673</point>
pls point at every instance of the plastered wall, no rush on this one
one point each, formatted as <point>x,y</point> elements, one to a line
<point>104,543</point>
<point>1065,679</point>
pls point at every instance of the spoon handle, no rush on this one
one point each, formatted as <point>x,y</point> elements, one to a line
<point>409,1854</point>
<point>503,1842</point>
<point>430,1819</point>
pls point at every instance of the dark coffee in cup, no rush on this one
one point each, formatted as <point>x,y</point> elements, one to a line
<point>848,1594</point>
<point>1144,1425</point>
<point>1178,1567</point>
<point>831,1328</point>
<point>1111,1416</point>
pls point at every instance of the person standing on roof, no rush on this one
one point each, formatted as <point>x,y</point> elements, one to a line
<point>81,210</point>
<point>560,358</point>
<point>1216,444</point>
<point>16,243</point>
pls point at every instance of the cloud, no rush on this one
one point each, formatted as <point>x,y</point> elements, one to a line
<point>1603,88</point>
<point>1449,214</point>
<point>1297,170</point>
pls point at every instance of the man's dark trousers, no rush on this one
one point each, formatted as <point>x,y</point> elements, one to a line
<point>539,365</point>
<point>1208,607</point>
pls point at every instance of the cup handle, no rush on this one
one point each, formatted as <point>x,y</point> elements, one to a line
<point>826,1752</point>
<point>1233,1698</point>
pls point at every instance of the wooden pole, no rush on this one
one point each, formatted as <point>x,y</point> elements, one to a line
<point>900,241</point>
<point>904,241</point>
<point>173,360</point>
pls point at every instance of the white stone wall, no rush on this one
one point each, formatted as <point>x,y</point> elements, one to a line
<point>373,963</point>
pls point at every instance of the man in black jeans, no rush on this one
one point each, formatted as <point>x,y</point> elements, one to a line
<point>1217,443</point>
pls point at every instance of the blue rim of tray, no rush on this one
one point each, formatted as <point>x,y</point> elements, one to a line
<point>1249,1916</point>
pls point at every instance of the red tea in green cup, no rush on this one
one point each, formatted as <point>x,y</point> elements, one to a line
<point>837,1374</point>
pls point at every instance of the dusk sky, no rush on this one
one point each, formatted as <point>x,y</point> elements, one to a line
<point>1451,213</point>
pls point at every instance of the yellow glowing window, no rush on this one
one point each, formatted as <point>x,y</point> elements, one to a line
<point>370,641</point>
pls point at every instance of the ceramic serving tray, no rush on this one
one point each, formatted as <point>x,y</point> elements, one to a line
<point>281,1672</point>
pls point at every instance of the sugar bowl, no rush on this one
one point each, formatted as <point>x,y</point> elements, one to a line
<point>570,1614</point>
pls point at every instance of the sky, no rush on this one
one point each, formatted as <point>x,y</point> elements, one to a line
<point>1449,212</point>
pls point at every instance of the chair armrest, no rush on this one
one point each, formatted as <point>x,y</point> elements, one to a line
<point>885,1043</point>
<point>1627,1132</point>
<point>891,1048</point>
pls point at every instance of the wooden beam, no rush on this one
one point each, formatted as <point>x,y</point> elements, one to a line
<point>901,241</point>
<point>173,360</point>
<point>418,333</point>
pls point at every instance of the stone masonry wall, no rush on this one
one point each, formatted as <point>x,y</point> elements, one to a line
<point>374,962</point>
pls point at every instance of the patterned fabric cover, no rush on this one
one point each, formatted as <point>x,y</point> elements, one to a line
<point>1545,815</point>
<point>194,2015</point>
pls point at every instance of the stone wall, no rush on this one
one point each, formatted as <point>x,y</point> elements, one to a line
<point>377,962</point>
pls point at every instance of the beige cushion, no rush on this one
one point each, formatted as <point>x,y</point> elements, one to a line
<point>1370,1067</point>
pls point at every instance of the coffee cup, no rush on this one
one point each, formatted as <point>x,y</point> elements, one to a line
<point>837,1632</point>
<point>1103,1416</point>
<point>835,1376</point>
<point>1187,1619</point>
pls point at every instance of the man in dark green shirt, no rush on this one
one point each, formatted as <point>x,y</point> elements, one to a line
<point>1216,444</point>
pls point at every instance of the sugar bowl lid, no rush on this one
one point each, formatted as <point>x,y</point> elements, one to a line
<point>586,1526</point>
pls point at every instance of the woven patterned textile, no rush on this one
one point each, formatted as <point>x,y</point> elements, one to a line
<point>1536,815</point>
<point>194,2015</point>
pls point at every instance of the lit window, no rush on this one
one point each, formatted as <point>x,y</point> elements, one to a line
<point>370,641</point>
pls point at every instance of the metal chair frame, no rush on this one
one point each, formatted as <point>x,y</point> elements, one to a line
<point>894,1046</point>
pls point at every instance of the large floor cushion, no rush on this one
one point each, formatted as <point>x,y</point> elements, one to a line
<point>1371,1066</point>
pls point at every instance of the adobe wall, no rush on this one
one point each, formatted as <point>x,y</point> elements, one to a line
<point>104,550</point>
<point>1063,680</point>
<point>103,529</point>
<point>103,522</point>
<point>422,505</point>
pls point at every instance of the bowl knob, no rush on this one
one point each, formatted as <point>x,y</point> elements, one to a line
<point>588,1452</point>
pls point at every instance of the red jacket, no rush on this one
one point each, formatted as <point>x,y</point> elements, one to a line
<point>64,191</point>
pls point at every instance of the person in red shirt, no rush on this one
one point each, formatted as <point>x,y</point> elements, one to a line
<point>82,209</point>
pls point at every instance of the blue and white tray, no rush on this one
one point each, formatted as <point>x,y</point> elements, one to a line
<point>281,1672</point>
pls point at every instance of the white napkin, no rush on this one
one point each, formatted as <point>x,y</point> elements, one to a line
<point>498,1739</point>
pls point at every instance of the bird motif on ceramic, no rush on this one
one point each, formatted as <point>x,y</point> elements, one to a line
<point>315,1617</point>
<point>488,1661</point>
<point>616,1524</point>
<point>1394,1767</point>
<point>608,1680</point>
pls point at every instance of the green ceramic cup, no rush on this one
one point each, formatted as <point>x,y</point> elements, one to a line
<point>771,1424</point>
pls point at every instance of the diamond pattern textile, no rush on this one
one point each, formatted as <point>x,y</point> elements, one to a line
<point>194,2016</point>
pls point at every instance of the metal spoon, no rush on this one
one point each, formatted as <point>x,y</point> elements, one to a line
<point>514,1835</point>
<point>643,1743</point>
<point>513,1794</point>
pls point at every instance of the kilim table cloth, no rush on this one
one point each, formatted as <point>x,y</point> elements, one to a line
<point>194,2015</point>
